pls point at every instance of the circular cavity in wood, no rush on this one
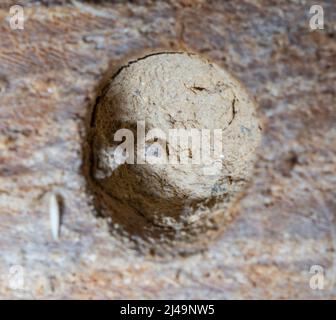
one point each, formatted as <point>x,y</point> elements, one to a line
<point>173,142</point>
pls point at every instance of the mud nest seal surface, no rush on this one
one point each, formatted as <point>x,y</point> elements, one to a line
<point>172,145</point>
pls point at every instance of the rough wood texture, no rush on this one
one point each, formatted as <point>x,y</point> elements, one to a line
<point>49,73</point>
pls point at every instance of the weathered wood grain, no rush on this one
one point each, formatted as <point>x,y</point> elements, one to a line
<point>49,73</point>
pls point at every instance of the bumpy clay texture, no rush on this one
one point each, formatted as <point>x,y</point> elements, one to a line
<point>285,221</point>
<point>169,194</point>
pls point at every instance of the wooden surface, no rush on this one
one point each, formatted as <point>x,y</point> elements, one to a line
<point>49,73</point>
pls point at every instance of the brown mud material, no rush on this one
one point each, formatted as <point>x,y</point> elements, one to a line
<point>164,200</point>
<point>285,220</point>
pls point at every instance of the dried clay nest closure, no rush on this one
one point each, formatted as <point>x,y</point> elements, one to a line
<point>168,206</point>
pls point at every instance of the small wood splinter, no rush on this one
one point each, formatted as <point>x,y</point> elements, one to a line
<point>55,213</point>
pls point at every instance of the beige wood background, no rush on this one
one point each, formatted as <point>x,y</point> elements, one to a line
<point>49,73</point>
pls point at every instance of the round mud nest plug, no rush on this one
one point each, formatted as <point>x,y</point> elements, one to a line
<point>173,139</point>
